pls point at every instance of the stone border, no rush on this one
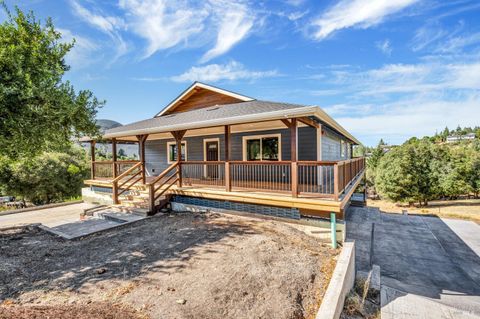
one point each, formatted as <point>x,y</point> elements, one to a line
<point>28,209</point>
<point>342,281</point>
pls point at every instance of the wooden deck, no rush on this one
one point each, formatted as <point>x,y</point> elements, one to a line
<point>308,204</point>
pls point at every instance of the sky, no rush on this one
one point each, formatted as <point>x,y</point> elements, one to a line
<point>388,69</point>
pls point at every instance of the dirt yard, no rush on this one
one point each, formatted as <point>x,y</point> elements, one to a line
<point>173,266</point>
<point>468,209</point>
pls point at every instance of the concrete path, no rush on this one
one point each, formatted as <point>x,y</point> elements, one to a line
<point>50,217</point>
<point>430,267</point>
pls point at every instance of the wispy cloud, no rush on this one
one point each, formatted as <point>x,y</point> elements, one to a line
<point>356,13</point>
<point>384,46</point>
<point>81,54</point>
<point>397,101</point>
<point>109,25</point>
<point>236,21</point>
<point>217,72</point>
<point>413,117</point>
<point>164,24</point>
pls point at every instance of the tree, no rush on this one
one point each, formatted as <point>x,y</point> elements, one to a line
<point>122,154</point>
<point>39,111</point>
<point>405,174</point>
<point>373,161</point>
<point>45,178</point>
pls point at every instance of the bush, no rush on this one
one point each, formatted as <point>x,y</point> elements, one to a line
<point>46,178</point>
<point>419,171</point>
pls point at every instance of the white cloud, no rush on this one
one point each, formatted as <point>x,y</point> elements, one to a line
<point>164,24</point>
<point>398,101</point>
<point>415,117</point>
<point>356,13</point>
<point>107,24</point>
<point>104,23</point>
<point>217,72</point>
<point>236,21</point>
<point>81,53</point>
<point>385,47</point>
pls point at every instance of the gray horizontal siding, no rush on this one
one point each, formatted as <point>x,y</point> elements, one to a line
<point>156,151</point>
<point>331,146</point>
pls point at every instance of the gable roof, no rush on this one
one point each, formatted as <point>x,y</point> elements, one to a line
<point>198,85</point>
<point>227,114</point>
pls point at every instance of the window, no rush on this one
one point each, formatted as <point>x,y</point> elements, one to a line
<point>342,148</point>
<point>172,151</point>
<point>262,148</point>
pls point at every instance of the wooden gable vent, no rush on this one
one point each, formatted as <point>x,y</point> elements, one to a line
<point>200,95</point>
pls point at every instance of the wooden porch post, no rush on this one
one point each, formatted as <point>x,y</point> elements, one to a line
<point>228,185</point>
<point>114,157</point>
<point>178,135</point>
<point>141,152</point>
<point>335,181</point>
<point>293,156</point>
<point>92,157</point>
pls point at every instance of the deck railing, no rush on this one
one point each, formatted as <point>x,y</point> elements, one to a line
<point>316,178</point>
<point>210,173</point>
<point>110,169</point>
<point>305,178</point>
<point>267,175</point>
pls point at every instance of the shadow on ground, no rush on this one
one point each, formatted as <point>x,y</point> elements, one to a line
<point>418,255</point>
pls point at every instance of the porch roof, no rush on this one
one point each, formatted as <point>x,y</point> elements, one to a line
<point>227,114</point>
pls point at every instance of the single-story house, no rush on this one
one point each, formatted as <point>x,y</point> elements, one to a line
<point>211,147</point>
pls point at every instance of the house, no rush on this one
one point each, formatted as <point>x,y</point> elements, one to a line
<point>215,148</point>
<point>458,138</point>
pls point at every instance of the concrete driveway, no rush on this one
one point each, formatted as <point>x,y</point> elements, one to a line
<point>430,267</point>
<point>50,217</point>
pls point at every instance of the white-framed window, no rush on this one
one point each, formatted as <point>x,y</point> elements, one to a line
<point>342,148</point>
<point>262,147</point>
<point>172,151</point>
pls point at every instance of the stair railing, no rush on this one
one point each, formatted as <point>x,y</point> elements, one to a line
<point>164,183</point>
<point>119,189</point>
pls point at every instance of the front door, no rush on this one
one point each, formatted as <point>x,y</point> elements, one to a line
<point>212,155</point>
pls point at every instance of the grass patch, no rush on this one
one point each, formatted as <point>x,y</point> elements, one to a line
<point>362,302</point>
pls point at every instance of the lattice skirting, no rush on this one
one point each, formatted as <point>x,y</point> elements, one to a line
<point>292,213</point>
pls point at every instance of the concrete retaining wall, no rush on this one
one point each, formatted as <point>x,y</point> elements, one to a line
<point>93,197</point>
<point>342,281</point>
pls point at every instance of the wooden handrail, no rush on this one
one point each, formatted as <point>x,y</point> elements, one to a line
<point>128,171</point>
<point>116,162</point>
<point>162,175</point>
<point>151,186</point>
<point>201,162</point>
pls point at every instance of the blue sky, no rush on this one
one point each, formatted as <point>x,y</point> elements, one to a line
<point>387,69</point>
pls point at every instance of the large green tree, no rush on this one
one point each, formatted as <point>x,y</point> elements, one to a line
<point>407,173</point>
<point>39,111</point>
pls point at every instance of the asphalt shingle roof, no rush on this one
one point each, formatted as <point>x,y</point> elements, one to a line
<point>206,114</point>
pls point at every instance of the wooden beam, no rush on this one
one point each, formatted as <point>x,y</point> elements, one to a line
<point>293,156</point>
<point>228,184</point>
<point>309,122</point>
<point>114,157</point>
<point>286,122</point>
<point>178,136</point>
<point>92,157</point>
<point>141,152</point>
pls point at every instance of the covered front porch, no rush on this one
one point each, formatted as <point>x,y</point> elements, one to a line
<point>314,186</point>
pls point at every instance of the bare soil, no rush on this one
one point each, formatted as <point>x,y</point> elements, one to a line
<point>468,209</point>
<point>172,266</point>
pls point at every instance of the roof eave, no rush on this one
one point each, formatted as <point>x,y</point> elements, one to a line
<point>243,119</point>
